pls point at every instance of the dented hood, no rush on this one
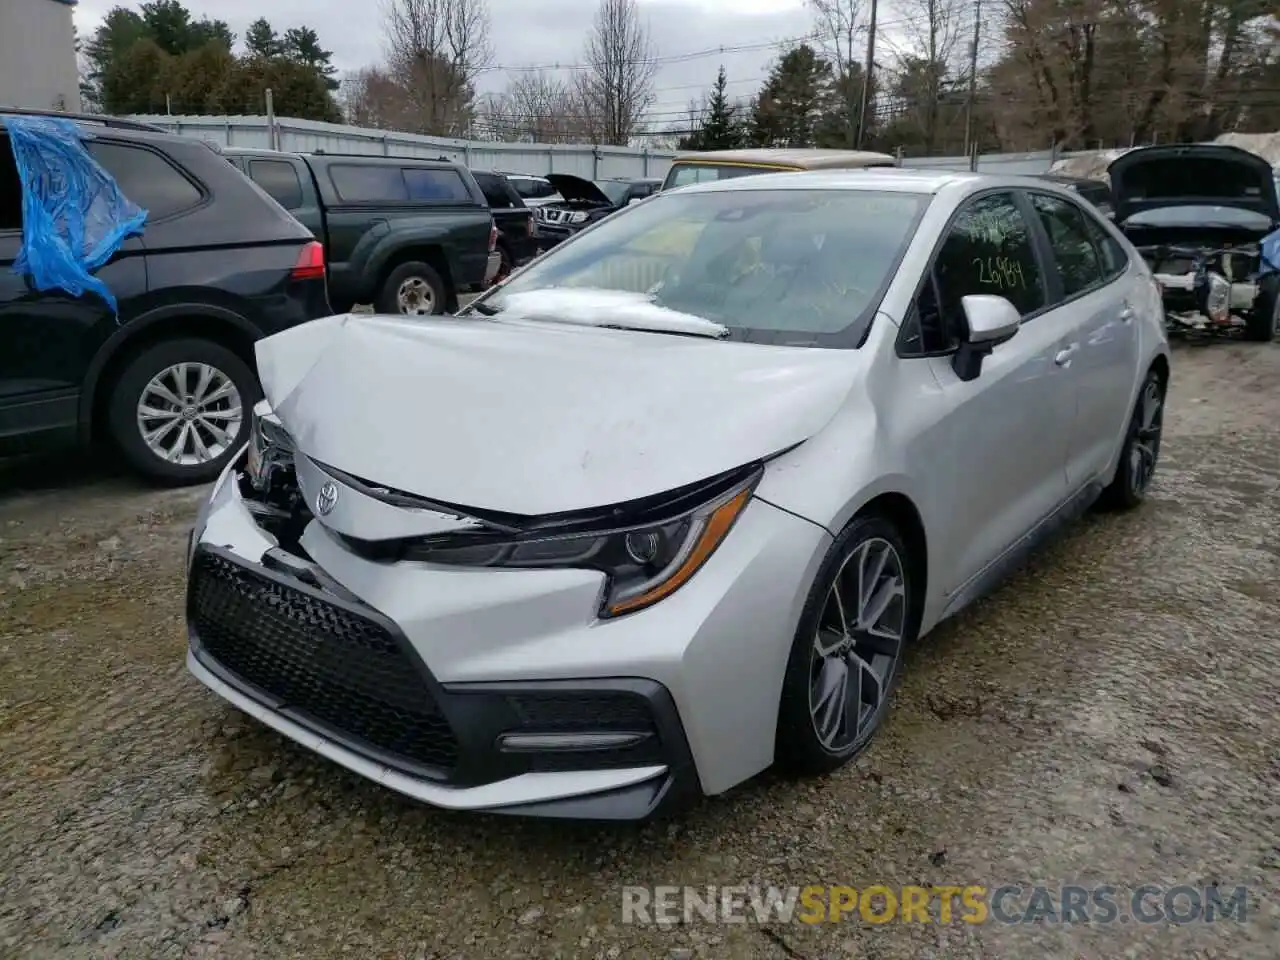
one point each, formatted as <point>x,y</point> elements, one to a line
<point>532,418</point>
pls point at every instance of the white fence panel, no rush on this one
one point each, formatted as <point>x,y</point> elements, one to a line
<point>310,136</point>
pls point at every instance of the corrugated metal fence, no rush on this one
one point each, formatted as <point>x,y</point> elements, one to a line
<point>308,136</point>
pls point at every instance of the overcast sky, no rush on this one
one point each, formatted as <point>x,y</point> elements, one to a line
<point>536,32</point>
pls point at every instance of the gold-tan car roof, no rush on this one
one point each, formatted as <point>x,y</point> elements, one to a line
<point>793,158</point>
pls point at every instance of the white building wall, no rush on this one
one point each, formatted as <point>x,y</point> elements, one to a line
<point>38,56</point>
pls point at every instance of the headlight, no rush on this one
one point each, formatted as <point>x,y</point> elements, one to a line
<point>643,564</point>
<point>1214,291</point>
<point>270,446</point>
<point>578,216</point>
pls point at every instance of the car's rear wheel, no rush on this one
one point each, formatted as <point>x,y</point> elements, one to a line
<point>1263,322</point>
<point>1141,450</point>
<point>179,410</point>
<point>413,289</point>
<point>847,654</point>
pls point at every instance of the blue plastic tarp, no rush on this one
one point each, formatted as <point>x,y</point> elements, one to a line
<point>74,215</point>
<point>1270,249</point>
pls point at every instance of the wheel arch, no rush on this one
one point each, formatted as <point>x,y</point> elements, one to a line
<point>206,321</point>
<point>900,510</point>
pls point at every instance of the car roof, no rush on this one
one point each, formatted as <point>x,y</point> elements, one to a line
<point>807,159</point>
<point>897,180</point>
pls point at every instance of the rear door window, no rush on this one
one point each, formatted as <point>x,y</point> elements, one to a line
<point>1079,263</point>
<point>370,183</point>
<point>147,178</point>
<point>280,180</point>
<point>436,185</point>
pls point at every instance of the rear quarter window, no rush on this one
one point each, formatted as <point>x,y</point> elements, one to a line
<point>147,178</point>
<point>280,180</point>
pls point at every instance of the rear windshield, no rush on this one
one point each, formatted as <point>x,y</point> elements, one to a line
<point>683,174</point>
<point>793,267</point>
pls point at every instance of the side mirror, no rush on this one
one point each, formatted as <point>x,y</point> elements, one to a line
<point>988,322</point>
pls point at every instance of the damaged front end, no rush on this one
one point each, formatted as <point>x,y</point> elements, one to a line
<point>1208,289</point>
<point>1206,219</point>
<point>646,549</point>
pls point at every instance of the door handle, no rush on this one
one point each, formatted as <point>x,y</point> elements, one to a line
<point>1063,356</point>
<point>1126,314</point>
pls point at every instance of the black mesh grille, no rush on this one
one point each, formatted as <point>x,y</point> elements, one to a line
<point>320,658</point>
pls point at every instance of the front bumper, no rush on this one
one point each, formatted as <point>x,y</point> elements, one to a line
<point>497,690</point>
<point>491,268</point>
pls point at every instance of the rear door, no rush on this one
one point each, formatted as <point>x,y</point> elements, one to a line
<point>48,338</point>
<point>1094,291</point>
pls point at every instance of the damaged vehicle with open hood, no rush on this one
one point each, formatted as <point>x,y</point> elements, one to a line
<point>1206,219</point>
<point>582,203</point>
<point>667,506</point>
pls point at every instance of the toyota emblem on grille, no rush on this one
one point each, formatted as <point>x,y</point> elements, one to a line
<point>327,498</point>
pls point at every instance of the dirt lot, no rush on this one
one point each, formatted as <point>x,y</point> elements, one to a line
<point>1109,717</point>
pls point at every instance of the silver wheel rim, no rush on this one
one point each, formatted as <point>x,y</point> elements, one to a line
<point>857,645</point>
<point>189,414</point>
<point>416,298</point>
<point>1146,441</point>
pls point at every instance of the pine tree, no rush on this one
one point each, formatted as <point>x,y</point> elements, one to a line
<point>261,39</point>
<point>720,129</point>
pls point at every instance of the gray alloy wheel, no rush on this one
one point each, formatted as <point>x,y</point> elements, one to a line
<point>862,612</point>
<point>1144,448</point>
<point>858,644</point>
<point>190,414</point>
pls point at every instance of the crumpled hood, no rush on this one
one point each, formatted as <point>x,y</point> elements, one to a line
<point>533,418</point>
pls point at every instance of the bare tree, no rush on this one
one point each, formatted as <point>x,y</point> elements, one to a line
<point>926,68</point>
<point>616,86</point>
<point>435,51</point>
<point>840,36</point>
<point>543,108</point>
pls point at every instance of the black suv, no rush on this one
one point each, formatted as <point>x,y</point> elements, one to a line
<point>169,381</point>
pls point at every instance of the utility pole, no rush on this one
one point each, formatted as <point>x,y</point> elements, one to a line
<point>973,79</point>
<point>866,75</point>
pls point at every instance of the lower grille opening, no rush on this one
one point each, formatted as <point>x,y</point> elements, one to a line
<point>323,660</point>
<point>587,714</point>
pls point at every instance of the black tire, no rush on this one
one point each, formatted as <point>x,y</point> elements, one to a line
<point>799,749</point>
<point>126,395</point>
<point>1263,322</point>
<point>389,296</point>
<point>506,264</point>
<point>1141,450</point>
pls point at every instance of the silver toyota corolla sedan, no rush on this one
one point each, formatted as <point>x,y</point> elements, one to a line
<point>664,509</point>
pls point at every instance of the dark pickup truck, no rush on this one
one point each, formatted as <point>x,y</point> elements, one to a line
<point>403,234</point>
<point>517,233</point>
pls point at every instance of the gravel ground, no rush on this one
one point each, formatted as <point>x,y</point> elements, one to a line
<point>1109,717</point>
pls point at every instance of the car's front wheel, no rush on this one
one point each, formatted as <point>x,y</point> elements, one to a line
<point>179,410</point>
<point>847,653</point>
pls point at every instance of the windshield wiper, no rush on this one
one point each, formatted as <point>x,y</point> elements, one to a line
<point>484,309</point>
